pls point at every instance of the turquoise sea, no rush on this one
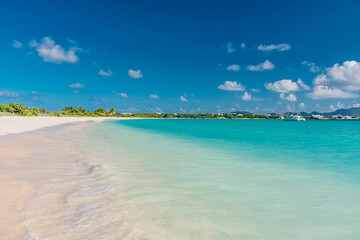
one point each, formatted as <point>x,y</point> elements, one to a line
<point>231,179</point>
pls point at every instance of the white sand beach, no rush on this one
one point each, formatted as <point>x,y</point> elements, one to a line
<point>15,124</point>
<point>19,170</point>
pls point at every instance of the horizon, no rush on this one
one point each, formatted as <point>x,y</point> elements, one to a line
<point>212,113</point>
<point>181,56</point>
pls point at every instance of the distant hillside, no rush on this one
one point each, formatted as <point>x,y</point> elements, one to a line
<point>353,112</point>
<point>243,112</point>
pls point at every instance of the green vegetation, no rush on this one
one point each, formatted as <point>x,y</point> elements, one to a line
<point>20,110</point>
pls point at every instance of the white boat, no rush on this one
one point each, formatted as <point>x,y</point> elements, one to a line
<point>294,118</point>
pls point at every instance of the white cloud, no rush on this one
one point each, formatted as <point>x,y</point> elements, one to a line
<point>233,67</point>
<point>243,45</point>
<point>183,99</point>
<point>325,92</point>
<point>16,44</point>
<point>76,85</point>
<point>312,66</point>
<point>54,53</point>
<point>303,85</point>
<point>340,105</point>
<point>279,47</point>
<point>124,95</point>
<point>246,96</point>
<point>135,74</point>
<point>230,48</point>
<point>107,73</point>
<point>182,110</point>
<point>154,96</point>
<point>9,94</point>
<point>338,81</point>
<point>255,90</point>
<point>332,108</point>
<point>290,97</point>
<point>267,65</point>
<point>346,76</point>
<point>231,86</point>
<point>76,91</point>
<point>302,105</point>
<point>284,86</point>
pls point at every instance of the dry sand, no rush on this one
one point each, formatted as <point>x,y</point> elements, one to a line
<point>12,124</point>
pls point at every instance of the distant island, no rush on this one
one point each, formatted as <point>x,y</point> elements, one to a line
<point>16,109</point>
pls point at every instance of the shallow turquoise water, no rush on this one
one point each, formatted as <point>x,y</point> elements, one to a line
<point>233,179</point>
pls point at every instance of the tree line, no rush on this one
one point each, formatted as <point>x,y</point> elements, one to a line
<point>21,110</point>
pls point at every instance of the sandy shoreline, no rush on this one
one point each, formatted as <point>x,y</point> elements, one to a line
<point>19,168</point>
<point>14,124</point>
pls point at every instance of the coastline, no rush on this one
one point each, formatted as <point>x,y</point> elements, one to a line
<point>18,124</point>
<point>35,151</point>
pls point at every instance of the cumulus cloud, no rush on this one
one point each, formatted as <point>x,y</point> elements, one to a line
<point>338,81</point>
<point>124,95</point>
<point>135,74</point>
<point>255,90</point>
<point>267,65</point>
<point>302,84</point>
<point>16,44</point>
<point>107,73</point>
<point>76,85</point>
<point>231,86</point>
<point>302,105</point>
<point>9,94</point>
<point>346,76</point>
<point>332,108</point>
<point>283,86</point>
<point>312,66</point>
<point>279,47</point>
<point>338,106</point>
<point>325,92</point>
<point>246,96</point>
<point>243,45</point>
<point>290,97</point>
<point>183,99</point>
<point>50,52</point>
<point>230,48</point>
<point>233,67</point>
<point>154,96</point>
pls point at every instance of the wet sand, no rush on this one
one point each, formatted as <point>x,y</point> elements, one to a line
<point>47,190</point>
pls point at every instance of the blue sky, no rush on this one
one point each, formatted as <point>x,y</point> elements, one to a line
<point>181,56</point>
